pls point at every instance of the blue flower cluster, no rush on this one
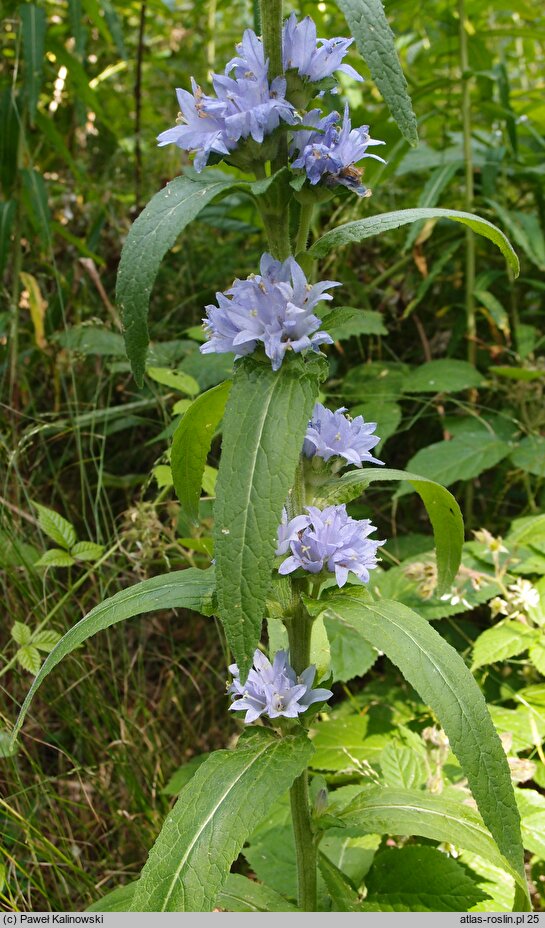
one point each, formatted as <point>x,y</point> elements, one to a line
<point>332,434</point>
<point>328,539</point>
<point>274,690</point>
<point>246,105</point>
<point>274,308</point>
<point>329,152</point>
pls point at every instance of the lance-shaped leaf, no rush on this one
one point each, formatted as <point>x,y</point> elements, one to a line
<point>376,43</point>
<point>443,510</point>
<point>264,428</point>
<point>150,237</point>
<point>33,26</point>
<point>191,444</point>
<point>220,806</point>
<point>414,812</point>
<point>360,229</point>
<point>440,676</point>
<point>7,215</point>
<point>182,589</point>
<point>379,810</point>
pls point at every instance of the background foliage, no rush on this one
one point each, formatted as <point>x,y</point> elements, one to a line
<point>85,88</point>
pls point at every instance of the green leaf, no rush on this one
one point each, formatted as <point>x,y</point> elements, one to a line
<point>29,658</point>
<point>537,654</point>
<point>183,774</point>
<point>343,894</point>
<point>92,339</point>
<point>177,380</point>
<point>351,655</point>
<point>21,633</point>
<point>55,557</point>
<point>345,321</point>
<point>191,443</point>
<point>403,765</point>
<point>205,831</point>
<point>181,589</point>
<point>46,640</point>
<point>444,376</point>
<point>464,457</point>
<point>344,745</point>
<point>7,749</point>
<point>7,215</point>
<point>9,138</point>
<point>59,529</point>
<point>33,23</point>
<point>494,310</point>
<point>118,900</point>
<point>240,894</point>
<point>87,551</point>
<point>441,678</point>
<point>442,508</point>
<point>429,196</point>
<point>414,812</point>
<point>422,879</point>
<point>150,237</point>
<point>501,642</point>
<point>352,232</point>
<point>530,455</point>
<point>264,427</point>
<point>37,204</point>
<point>387,416</point>
<point>376,43</point>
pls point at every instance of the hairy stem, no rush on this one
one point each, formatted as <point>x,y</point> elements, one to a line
<point>299,632</point>
<point>305,219</point>
<point>271,28</point>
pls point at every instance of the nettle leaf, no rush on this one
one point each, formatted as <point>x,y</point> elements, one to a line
<point>240,894</point>
<point>443,376</point>
<point>502,641</point>
<point>376,43</point>
<point>422,879</point>
<point>264,427</point>
<point>87,551</point>
<point>29,658</point>
<point>360,229</point>
<point>56,527</point>
<point>55,557</point>
<point>181,589</point>
<point>403,765</point>
<point>21,633</point>
<point>442,508</point>
<point>414,812</point>
<point>466,456</point>
<point>439,675</point>
<point>205,831</point>
<point>46,640</point>
<point>530,455</point>
<point>191,443</point>
<point>150,237</point>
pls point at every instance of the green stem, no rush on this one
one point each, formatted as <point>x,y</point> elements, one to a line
<point>278,232</point>
<point>469,189</point>
<point>305,219</point>
<point>471,326</point>
<point>271,28</point>
<point>299,633</point>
